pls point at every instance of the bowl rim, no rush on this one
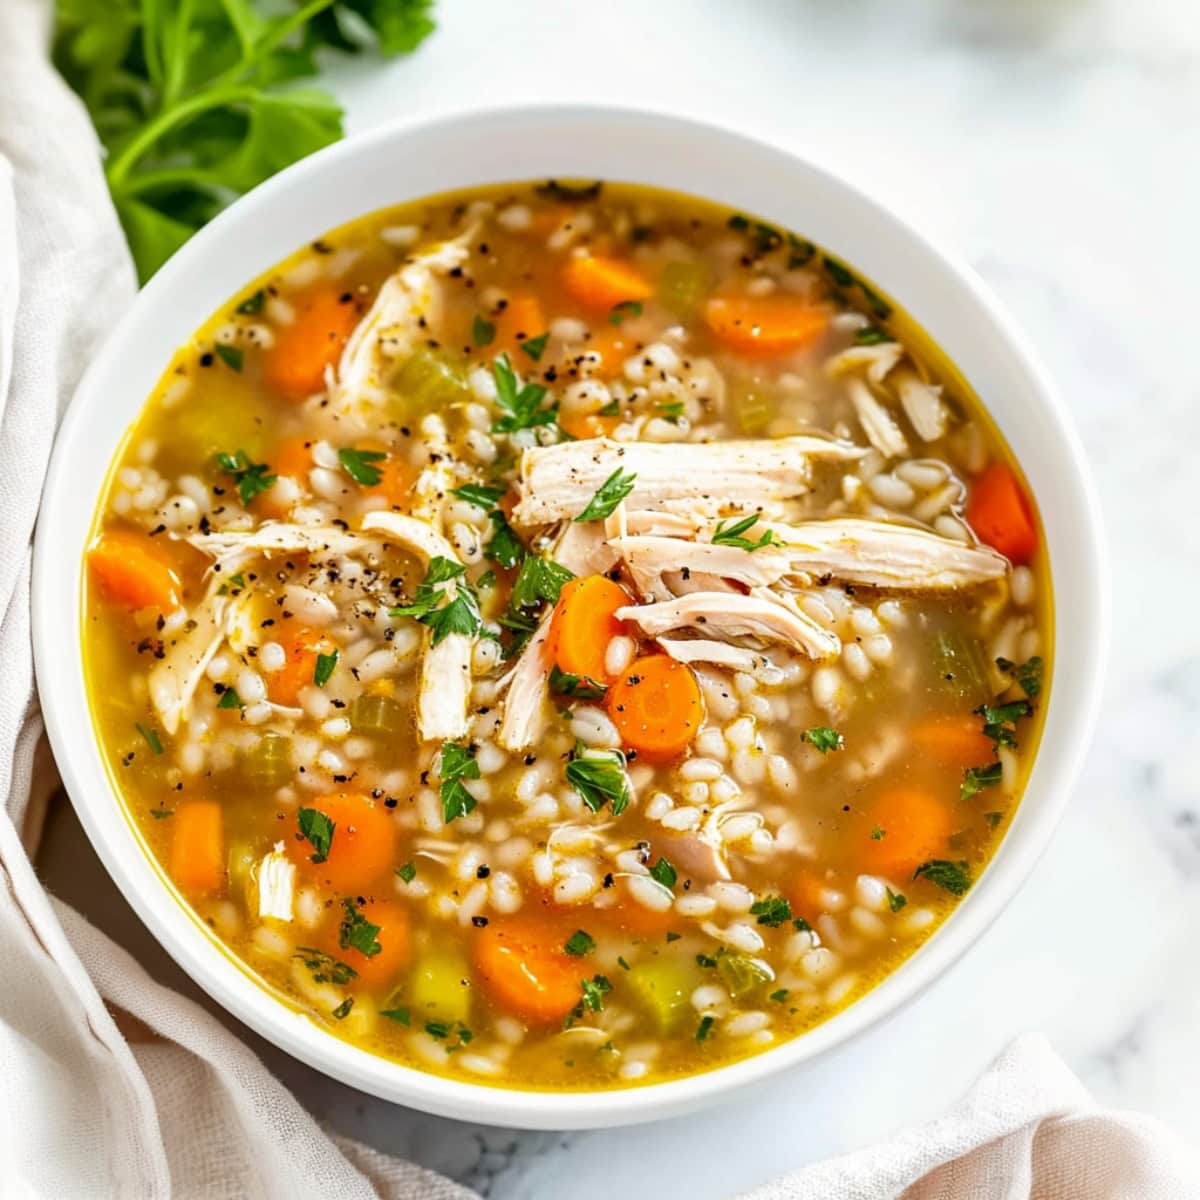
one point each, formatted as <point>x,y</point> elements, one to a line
<point>58,659</point>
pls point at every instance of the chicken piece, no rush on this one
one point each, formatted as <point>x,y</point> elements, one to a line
<point>174,678</point>
<point>276,884</point>
<point>877,360</point>
<point>881,429</point>
<point>922,403</point>
<point>719,654</point>
<point>527,686</point>
<point>558,481</point>
<point>445,689</point>
<point>762,616</point>
<point>437,477</point>
<point>885,555</point>
<point>626,522</point>
<point>695,855</point>
<point>234,549</point>
<point>652,561</point>
<point>583,549</point>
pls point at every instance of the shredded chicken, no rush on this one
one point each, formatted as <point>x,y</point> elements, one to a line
<point>882,554</point>
<point>654,561</point>
<point>445,689</point>
<point>583,549</point>
<point>881,429</point>
<point>558,481</point>
<point>525,698</point>
<point>922,403</point>
<point>719,654</point>
<point>877,360</point>
<point>234,549</point>
<point>173,680</point>
<point>276,884</point>
<point>695,854</point>
<point>762,615</point>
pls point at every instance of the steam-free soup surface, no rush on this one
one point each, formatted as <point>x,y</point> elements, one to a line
<point>566,636</point>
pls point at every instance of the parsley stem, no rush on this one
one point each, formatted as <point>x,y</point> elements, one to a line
<point>271,41</point>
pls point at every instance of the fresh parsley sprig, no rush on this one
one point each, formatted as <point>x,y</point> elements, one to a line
<point>445,601</point>
<point>599,777</point>
<point>520,403</point>
<point>609,494</point>
<point>456,762</point>
<point>729,533</point>
<point>251,478</point>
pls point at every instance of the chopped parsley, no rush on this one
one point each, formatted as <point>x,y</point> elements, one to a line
<point>779,996</point>
<point>838,273</point>
<point>356,932</point>
<point>443,1030</point>
<point>705,960</point>
<point>878,834</point>
<point>324,667</point>
<point>671,410</point>
<point>872,335</point>
<point>1000,720</point>
<point>704,1028</point>
<point>663,872</point>
<point>729,533</point>
<point>611,409</point>
<point>479,494</point>
<point>1029,674</point>
<point>230,699</point>
<point>251,477</point>
<point>599,778</point>
<point>504,547</point>
<point>822,738</point>
<point>445,601</point>
<point>161,814</point>
<point>801,925</point>
<point>580,943</point>
<point>408,872</point>
<point>771,911</point>
<point>623,310</point>
<point>594,991</point>
<point>400,1015</point>
<point>151,736</point>
<point>456,762</point>
<point>317,829</point>
<point>235,581</point>
<point>357,464</point>
<point>622,963</point>
<point>975,779</point>
<point>521,405</point>
<point>672,936</point>
<point>483,332</point>
<point>252,304</point>
<point>766,238</point>
<point>896,901</point>
<point>536,347</point>
<point>231,356</point>
<point>577,687</point>
<point>324,967</point>
<point>800,252</point>
<point>539,581</point>
<point>993,819</point>
<point>608,495</point>
<point>953,877</point>
<point>343,1009</point>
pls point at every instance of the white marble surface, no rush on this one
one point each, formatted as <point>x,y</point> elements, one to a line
<point>1053,143</point>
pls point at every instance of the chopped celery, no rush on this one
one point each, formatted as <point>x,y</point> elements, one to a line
<point>961,666</point>
<point>428,380</point>
<point>219,426</point>
<point>664,987</point>
<point>683,286</point>
<point>741,974</point>
<point>376,716</point>
<point>268,763</point>
<point>440,986</point>
<point>753,405</point>
<point>240,864</point>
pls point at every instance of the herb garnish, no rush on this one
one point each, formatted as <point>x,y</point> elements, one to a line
<point>771,911</point>
<point>704,1028</point>
<point>235,581</point>
<point>441,1030</point>
<point>705,960</point>
<point>444,609</point>
<point>975,779</point>
<point>357,932</point>
<point>324,967</point>
<point>408,872</point>
<point>729,533</point>
<point>1028,675</point>
<point>878,833</point>
<point>522,406</point>
<point>232,356</point>
<point>599,778</point>
<point>503,547</point>
<point>343,1009</point>
<point>535,347</point>
<point>608,495</point>
<point>483,332</point>
<point>456,762</point>
<point>317,829</point>
<point>151,735</point>
<point>822,738</point>
<point>251,477</point>
<point>896,901</point>
<point>779,995</point>
<point>324,667</point>
<point>400,1015</point>
<point>663,872</point>
<point>580,943</point>
<point>953,877</point>
<point>252,304</point>
<point>872,335</point>
<point>623,310</point>
<point>230,699</point>
<point>1000,720</point>
<point>538,582</point>
<point>479,494</point>
<point>357,464</point>
<point>577,687</point>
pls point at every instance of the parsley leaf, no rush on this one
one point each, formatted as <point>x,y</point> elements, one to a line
<point>151,736</point>
<point>503,547</point>
<point>456,762</point>
<point>779,995</point>
<point>317,829</point>
<point>324,667</point>
<point>571,193</point>
<point>822,738</point>
<point>535,347</point>
<point>664,873</point>
<point>343,1009</point>
<point>540,580</point>
<point>479,494</point>
<point>251,477</point>
<point>704,1028</point>
<point>580,943</point>
<point>896,901</point>
<point>230,699</point>
<point>599,778</point>
<point>872,335</point>
<point>357,464</point>
<point>400,1015</point>
<point>624,310</point>
<point>771,911</point>
<point>1028,675</point>
<point>232,356</point>
<point>324,967</point>
<point>408,872</point>
<point>729,533</point>
<point>356,932</point>
<point>594,991</point>
<point>252,304</point>
<point>1000,720</point>
<point>953,877</point>
<point>975,779</point>
<point>444,609</point>
<point>522,406</point>
<point>608,495</point>
<point>483,332</point>
<point>578,687</point>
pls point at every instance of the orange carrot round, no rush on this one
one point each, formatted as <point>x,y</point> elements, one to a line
<point>519,320</point>
<point>587,425</point>
<point>302,649</point>
<point>904,828</point>
<point>396,479</point>
<point>656,707</point>
<point>198,848</point>
<point>363,848</point>
<point>602,283</point>
<point>583,624</point>
<point>394,940</point>
<point>129,570</point>
<point>292,457</point>
<point>295,365</point>
<point>955,741</point>
<point>523,966</point>
<point>765,325</point>
<point>1000,513</point>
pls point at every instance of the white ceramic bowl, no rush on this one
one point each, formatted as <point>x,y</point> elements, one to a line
<point>405,161</point>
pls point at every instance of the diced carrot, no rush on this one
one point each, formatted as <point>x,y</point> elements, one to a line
<point>805,893</point>
<point>583,624</point>
<point>523,966</point>
<point>198,847</point>
<point>292,457</point>
<point>295,365</point>
<point>587,425</point>
<point>600,284</point>
<point>363,847</point>
<point>613,345</point>
<point>302,649</point>
<point>521,318</point>
<point>130,570</point>
<point>903,829</point>
<point>765,325</point>
<point>957,741</point>
<point>396,479</point>
<point>1000,513</point>
<point>637,921</point>
<point>394,940</point>
<point>656,707</point>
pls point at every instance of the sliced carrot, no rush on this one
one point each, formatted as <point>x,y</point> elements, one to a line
<point>292,457</point>
<point>302,649</point>
<point>765,324</point>
<point>583,624</point>
<point>396,479</point>
<point>906,827</point>
<point>613,345</point>
<point>587,425</point>
<point>656,707</point>
<point>954,741</point>
<point>523,966</point>
<point>1000,513</point>
<point>363,847</point>
<point>805,893</point>
<point>394,940</point>
<point>639,922</point>
<point>600,284</point>
<point>295,365</point>
<point>521,318</point>
<point>130,570</point>
<point>198,847</point>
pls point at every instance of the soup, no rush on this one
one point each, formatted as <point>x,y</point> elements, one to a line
<point>566,636</point>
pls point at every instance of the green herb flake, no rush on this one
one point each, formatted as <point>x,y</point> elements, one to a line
<point>953,877</point>
<point>993,819</point>
<point>503,547</point>
<point>251,478</point>
<point>670,410</point>
<point>324,667</point>
<point>622,963</point>
<point>975,779</point>
<point>599,777</point>
<point>664,873</point>
<point>408,872</point>
<point>483,332</point>
<point>343,1010</point>
<point>253,304</point>
<point>672,936</point>
<point>611,409</point>
<point>729,533</point>
<point>357,464</point>
<point>896,901</point>
<point>872,335</point>
<point>540,581</point>
<point>479,494</point>
<point>704,1028</point>
<point>577,687</point>
<point>771,911</point>
<point>594,991</point>
<point>705,960</point>
<point>456,762</point>
<point>521,405</point>
<point>878,834</point>
<point>822,738</point>
<point>608,495</point>
<point>230,699</point>
<point>161,814</point>
<point>401,1015</point>
<point>356,932</point>
<point>623,310</point>
<point>801,925</point>
<point>800,252</point>
<point>317,829</point>
<point>838,273</point>
<point>445,601</point>
<point>150,734</point>
<point>580,943</point>
<point>231,356</point>
<point>324,968</point>
<point>535,347</point>
<point>779,996</point>
<point>235,582</point>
